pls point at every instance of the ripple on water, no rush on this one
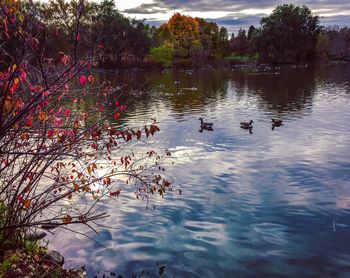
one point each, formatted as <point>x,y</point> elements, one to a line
<point>274,203</point>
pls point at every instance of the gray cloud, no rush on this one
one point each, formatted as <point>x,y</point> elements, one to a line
<point>235,19</point>
<point>236,6</point>
<point>339,20</point>
<point>147,9</point>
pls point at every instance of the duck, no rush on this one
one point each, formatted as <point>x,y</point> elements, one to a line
<point>206,128</point>
<point>276,122</point>
<point>247,125</point>
<point>206,125</point>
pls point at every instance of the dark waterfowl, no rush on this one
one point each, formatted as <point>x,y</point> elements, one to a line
<point>206,128</point>
<point>247,125</point>
<point>206,125</point>
<point>276,122</point>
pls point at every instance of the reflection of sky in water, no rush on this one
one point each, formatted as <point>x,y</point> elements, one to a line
<point>262,204</point>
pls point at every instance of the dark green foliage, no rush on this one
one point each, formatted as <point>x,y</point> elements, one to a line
<point>334,43</point>
<point>251,30</point>
<point>288,35</point>
<point>162,54</point>
<point>239,44</point>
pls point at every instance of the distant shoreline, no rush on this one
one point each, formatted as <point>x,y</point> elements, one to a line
<point>218,64</point>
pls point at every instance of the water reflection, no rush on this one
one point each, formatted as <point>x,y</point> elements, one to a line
<point>267,204</point>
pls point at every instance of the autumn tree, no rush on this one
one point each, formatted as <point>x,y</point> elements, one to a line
<point>184,28</point>
<point>193,38</point>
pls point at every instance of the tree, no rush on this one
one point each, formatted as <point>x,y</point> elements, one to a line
<point>163,54</point>
<point>184,28</point>
<point>251,30</point>
<point>54,140</point>
<point>239,44</point>
<point>193,38</point>
<point>338,46</point>
<point>288,35</point>
<point>100,24</point>
<point>223,48</point>
<point>322,46</point>
<point>209,37</point>
<point>223,35</point>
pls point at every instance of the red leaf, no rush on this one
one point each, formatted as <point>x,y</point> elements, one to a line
<point>116,103</point>
<point>82,80</point>
<point>94,146</point>
<point>123,107</point>
<point>115,193</point>
<point>20,198</point>
<point>23,74</point>
<point>29,123</point>
<point>90,78</point>
<point>116,115</point>
<point>46,93</point>
<point>67,112</point>
<point>78,37</point>
<point>58,121</point>
<point>50,133</point>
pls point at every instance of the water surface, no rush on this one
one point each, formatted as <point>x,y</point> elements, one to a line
<point>274,203</point>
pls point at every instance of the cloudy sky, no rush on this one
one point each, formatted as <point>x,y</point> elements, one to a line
<point>233,14</point>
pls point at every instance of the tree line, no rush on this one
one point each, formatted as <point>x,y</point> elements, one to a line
<point>291,34</point>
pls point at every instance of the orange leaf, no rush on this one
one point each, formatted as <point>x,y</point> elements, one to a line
<point>67,219</point>
<point>42,116</point>
<point>27,203</point>
<point>76,187</point>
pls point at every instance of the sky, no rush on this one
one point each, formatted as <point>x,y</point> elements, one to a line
<point>233,14</point>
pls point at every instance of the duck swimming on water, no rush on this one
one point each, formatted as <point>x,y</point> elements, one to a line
<point>247,125</point>
<point>205,125</point>
<point>276,122</point>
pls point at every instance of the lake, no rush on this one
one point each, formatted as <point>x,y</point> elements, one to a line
<point>271,203</point>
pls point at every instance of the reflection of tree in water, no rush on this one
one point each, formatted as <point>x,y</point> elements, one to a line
<point>336,75</point>
<point>188,90</point>
<point>180,90</point>
<point>130,86</point>
<point>286,89</point>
